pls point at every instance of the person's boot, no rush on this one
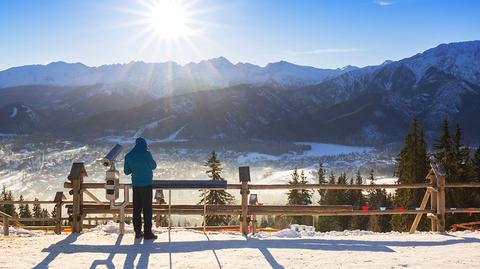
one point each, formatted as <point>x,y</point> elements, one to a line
<point>150,236</point>
<point>138,235</point>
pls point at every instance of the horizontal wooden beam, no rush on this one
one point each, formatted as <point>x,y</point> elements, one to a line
<point>463,210</point>
<point>337,186</point>
<point>463,185</point>
<point>289,186</point>
<point>51,227</point>
<point>257,210</point>
<point>312,186</point>
<point>91,185</point>
<point>26,202</point>
<point>33,219</point>
<point>5,215</point>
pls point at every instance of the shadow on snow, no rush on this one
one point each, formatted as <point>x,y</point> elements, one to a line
<point>66,246</point>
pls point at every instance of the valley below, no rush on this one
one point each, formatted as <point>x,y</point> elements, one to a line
<point>37,169</point>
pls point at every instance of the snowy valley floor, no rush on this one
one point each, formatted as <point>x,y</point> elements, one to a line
<point>102,248</point>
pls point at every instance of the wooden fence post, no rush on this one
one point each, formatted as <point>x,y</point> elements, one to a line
<point>5,226</point>
<point>439,177</point>
<point>433,204</point>
<point>441,203</point>
<point>76,177</point>
<point>58,212</point>
<point>244,174</point>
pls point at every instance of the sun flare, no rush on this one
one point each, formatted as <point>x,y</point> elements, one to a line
<point>169,19</point>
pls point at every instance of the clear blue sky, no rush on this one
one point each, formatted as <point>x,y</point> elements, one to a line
<point>322,33</point>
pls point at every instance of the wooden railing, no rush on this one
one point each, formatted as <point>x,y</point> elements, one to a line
<point>79,209</point>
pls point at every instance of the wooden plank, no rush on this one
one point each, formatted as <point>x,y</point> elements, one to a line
<point>6,224</point>
<point>463,210</point>
<point>91,185</point>
<point>58,218</point>
<point>301,208</point>
<point>337,186</point>
<point>441,210</point>
<point>91,195</point>
<point>25,202</point>
<point>462,185</point>
<point>244,193</point>
<point>189,184</point>
<point>265,212</point>
<point>33,219</point>
<point>418,217</point>
<point>4,215</point>
<point>288,186</point>
<point>76,177</point>
<point>59,197</point>
<point>433,207</point>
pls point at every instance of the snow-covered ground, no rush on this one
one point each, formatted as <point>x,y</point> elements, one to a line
<point>103,248</point>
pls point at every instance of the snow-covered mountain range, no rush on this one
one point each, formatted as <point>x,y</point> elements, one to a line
<point>369,105</point>
<point>163,78</point>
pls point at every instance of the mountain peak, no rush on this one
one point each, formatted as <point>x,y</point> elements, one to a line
<point>280,63</point>
<point>220,61</point>
<point>348,68</point>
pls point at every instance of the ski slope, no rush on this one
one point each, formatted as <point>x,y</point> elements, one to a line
<point>103,248</point>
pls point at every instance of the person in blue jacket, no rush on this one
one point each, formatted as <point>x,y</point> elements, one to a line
<point>140,164</point>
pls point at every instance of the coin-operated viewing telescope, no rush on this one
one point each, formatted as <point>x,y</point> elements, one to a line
<point>112,176</point>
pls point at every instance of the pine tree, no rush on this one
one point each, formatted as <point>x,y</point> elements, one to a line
<point>459,167</point>
<point>305,194</point>
<point>293,196</point>
<point>216,197</point>
<point>321,179</point>
<point>462,170</point>
<point>299,197</point>
<point>25,211</point>
<point>45,214</point>
<point>330,198</point>
<point>37,212</point>
<point>8,209</point>
<point>476,165</point>
<point>343,199</point>
<point>412,167</point>
<point>378,198</point>
<point>53,213</point>
<point>444,150</point>
<point>357,200</point>
<point>3,197</point>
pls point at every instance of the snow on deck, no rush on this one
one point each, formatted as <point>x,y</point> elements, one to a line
<point>102,248</point>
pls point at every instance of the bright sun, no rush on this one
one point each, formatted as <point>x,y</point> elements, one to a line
<point>169,19</point>
<point>167,27</point>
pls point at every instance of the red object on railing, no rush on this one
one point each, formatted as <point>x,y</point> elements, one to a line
<point>470,209</point>
<point>260,204</point>
<point>365,208</point>
<point>400,208</point>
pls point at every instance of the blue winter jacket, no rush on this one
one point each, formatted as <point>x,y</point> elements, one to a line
<point>139,162</point>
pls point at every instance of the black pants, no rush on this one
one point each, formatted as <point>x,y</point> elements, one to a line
<point>142,201</point>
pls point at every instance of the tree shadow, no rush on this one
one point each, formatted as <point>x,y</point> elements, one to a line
<point>263,245</point>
